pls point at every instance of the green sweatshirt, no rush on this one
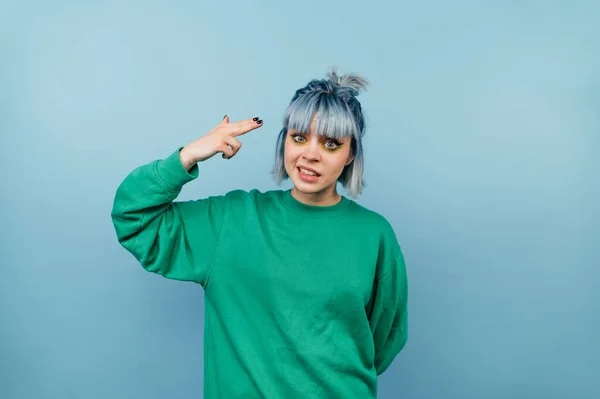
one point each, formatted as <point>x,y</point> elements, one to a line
<point>300,301</point>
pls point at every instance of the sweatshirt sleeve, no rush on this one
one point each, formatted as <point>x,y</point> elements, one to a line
<point>388,318</point>
<point>177,240</point>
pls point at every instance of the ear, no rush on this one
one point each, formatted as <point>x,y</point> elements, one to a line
<point>350,159</point>
<point>351,152</point>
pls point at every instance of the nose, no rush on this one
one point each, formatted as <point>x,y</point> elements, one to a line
<point>311,152</point>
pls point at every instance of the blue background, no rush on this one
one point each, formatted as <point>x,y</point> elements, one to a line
<point>481,150</point>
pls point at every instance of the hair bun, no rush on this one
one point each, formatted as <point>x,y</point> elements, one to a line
<point>353,83</point>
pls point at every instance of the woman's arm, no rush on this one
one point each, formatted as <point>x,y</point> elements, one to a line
<point>175,239</point>
<point>389,315</point>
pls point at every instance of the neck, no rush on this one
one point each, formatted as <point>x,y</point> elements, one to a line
<point>324,198</point>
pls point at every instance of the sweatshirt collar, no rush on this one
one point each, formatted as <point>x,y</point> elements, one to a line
<point>313,210</point>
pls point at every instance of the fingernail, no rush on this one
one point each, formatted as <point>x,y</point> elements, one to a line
<point>259,121</point>
<point>255,119</point>
<point>225,116</point>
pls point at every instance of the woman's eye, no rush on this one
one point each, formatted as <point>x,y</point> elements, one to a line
<point>331,145</point>
<point>297,138</point>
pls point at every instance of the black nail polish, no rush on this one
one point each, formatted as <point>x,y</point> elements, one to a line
<point>259,121</point>
<point>255,119</point>
<point>225,116</point>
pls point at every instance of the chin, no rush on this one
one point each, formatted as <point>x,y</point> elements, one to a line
<point>311,189</point>
<point>308,190</point>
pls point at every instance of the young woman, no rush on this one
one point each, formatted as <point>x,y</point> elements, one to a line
<point>305,290</point>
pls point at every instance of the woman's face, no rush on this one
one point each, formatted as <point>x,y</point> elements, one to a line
<point>314,163</point>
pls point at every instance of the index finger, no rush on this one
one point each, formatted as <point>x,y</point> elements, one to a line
<point>244,126</point>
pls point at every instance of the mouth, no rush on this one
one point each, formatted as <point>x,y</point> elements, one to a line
<point>307,174</point>
<point>308,171</point>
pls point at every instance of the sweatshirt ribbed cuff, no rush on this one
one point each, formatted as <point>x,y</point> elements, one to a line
<point>172,173</point>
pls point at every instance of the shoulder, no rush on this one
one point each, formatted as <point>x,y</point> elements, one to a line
<point>389,251</point>
<point>366,216</point>
<point>378,227</point>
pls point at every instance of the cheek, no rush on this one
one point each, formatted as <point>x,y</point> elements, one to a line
<point>290,152</point>
<point>341,157</point>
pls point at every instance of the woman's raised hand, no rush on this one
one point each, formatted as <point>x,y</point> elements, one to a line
<point>221,138</point>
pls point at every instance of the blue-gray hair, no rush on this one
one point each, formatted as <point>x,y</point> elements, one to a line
<point>340,115</point>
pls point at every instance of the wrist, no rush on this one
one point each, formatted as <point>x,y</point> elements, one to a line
<point>186,160</point>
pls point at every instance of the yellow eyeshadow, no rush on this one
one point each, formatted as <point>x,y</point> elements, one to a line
<point>333,149</point>
<point>293,136</point>
<point>297,142</point>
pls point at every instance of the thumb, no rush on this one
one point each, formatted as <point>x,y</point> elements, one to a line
<point>225,120</point>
